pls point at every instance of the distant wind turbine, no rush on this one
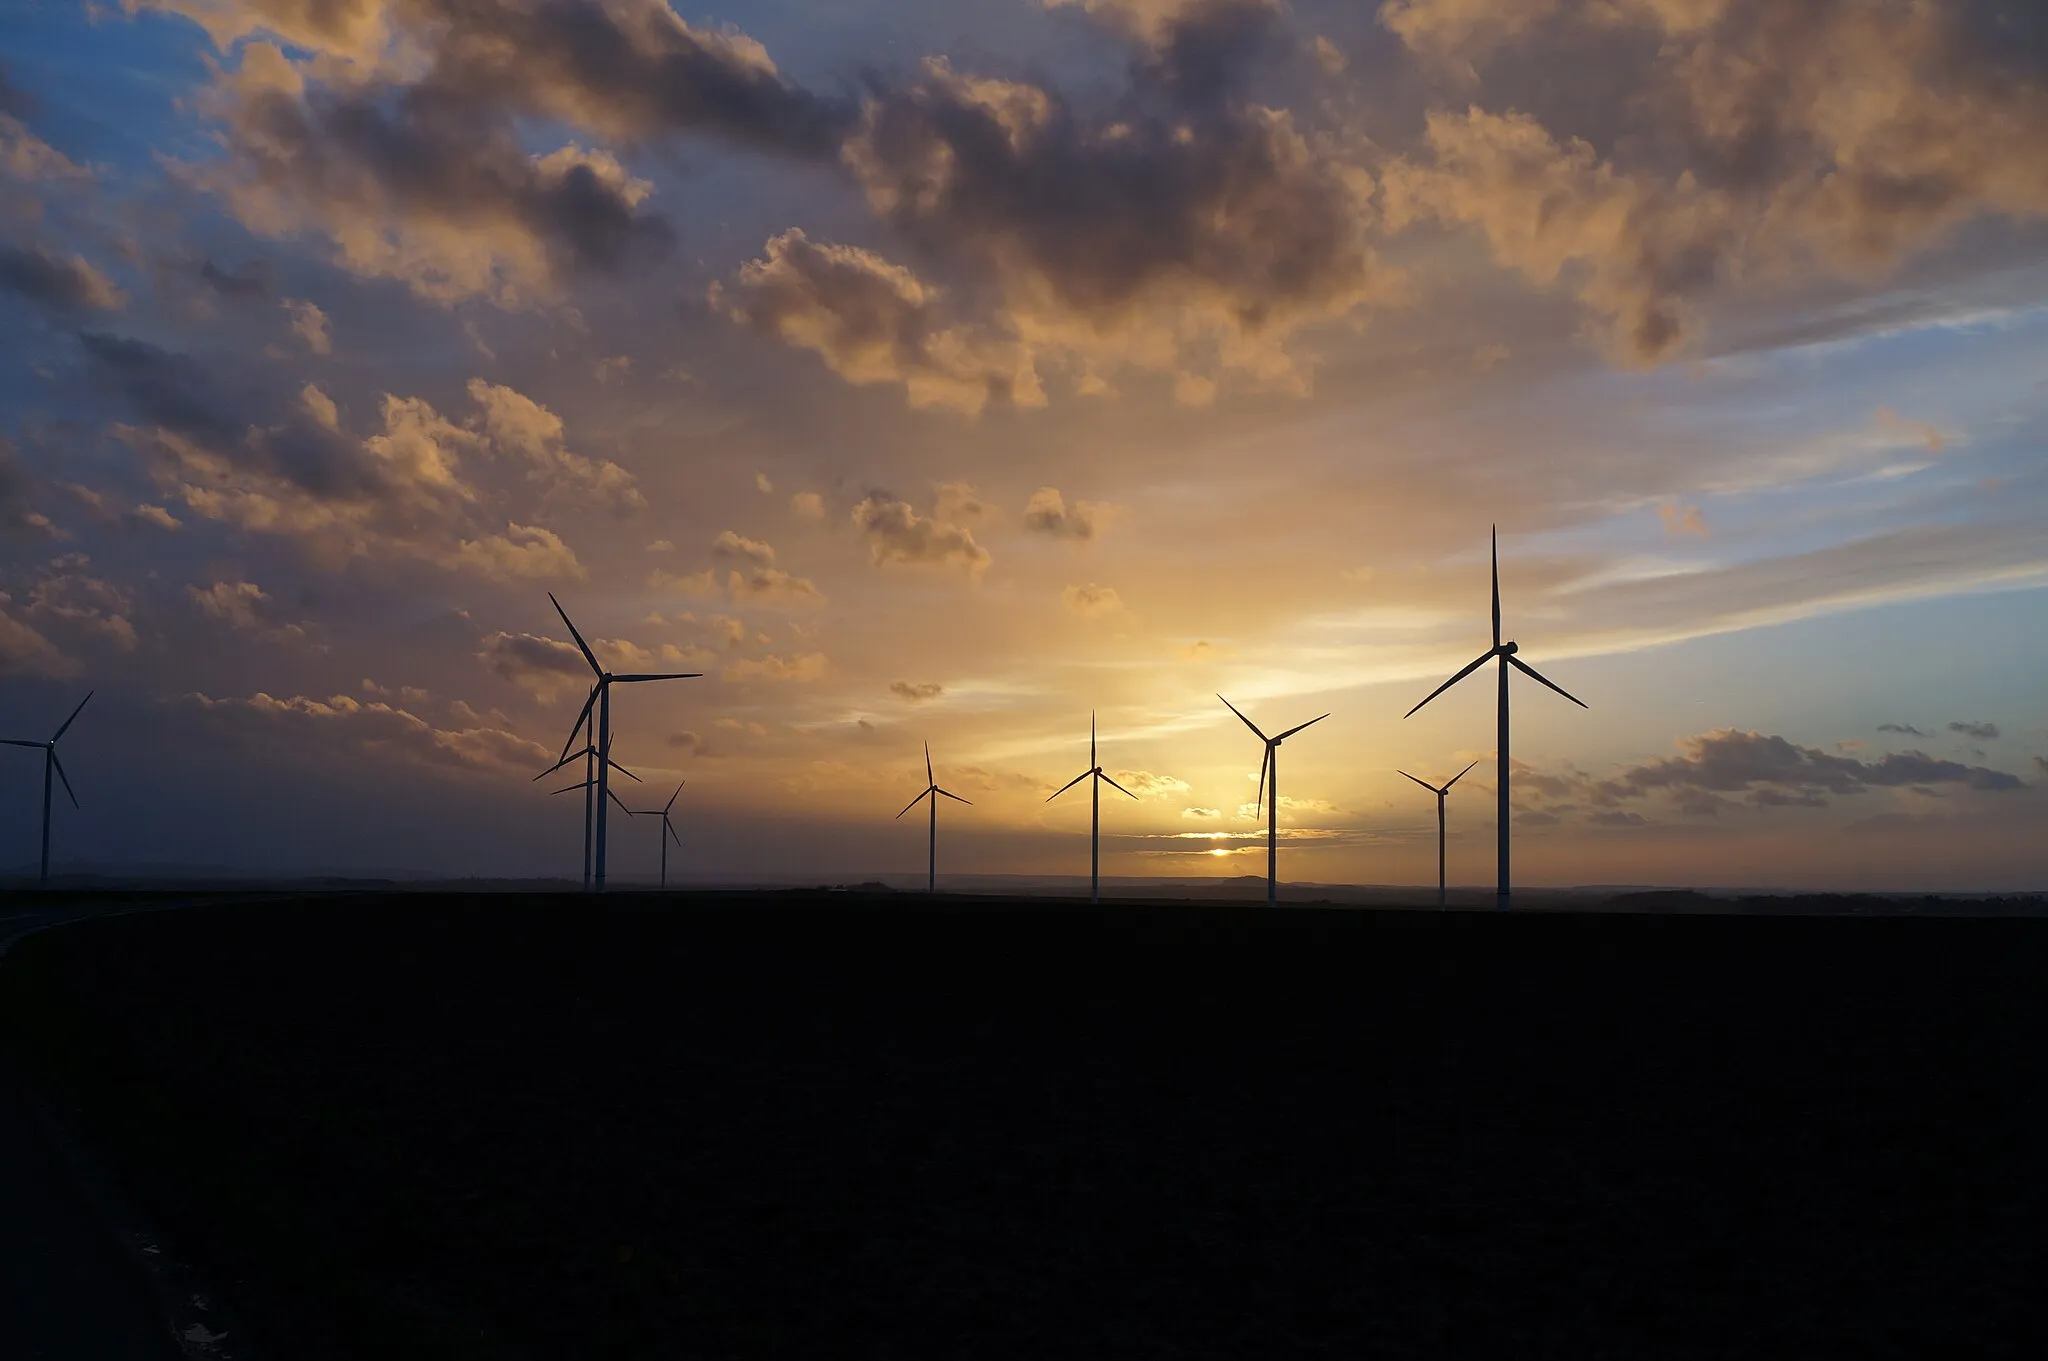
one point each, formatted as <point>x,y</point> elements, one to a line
<point>932,791</point>
<point>1269,794</point>
<point>589,787</point>
<point>1097,780</point>
<point>601,696</point>
<point>1441,795</point>
<point>51,763</point>
<point>1506,653</point>
<point>668,827</point>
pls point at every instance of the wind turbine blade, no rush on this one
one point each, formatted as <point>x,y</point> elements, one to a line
<point>1457,777</point>
<point>667,675</point>
<point>1111,783</point>
<point>572,756</point>
<point>21,742</point>
<point>566,788</point>
<point>929,778</point>
<point>1240,713</point>
<point>1091,739</point>
<point>1496,585</point>
<point>673,797</point>
<point>582,646</point>
<point>1424,783</point>
<point>52,750</point>
<point>672,830</point>
<point>1265,762</point>
<point>954,797</point>
<point>1536,675</point>
<point>577,726</point>
<point>619,801</point>
<point>74,714</point>
<point>1070,784</point>
<point>916,801</point>
<point>1298,727</point>
<point>1482,660</point>
<point>622,770</point>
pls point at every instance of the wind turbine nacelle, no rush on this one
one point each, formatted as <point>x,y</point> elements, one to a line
<point>1509,649</point>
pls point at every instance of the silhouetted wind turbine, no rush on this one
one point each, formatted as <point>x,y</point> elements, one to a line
<point>601,696</point>
<point>1269,789</point>
<point>1441,794</point>
<point>51,763</point>
<point>1506,653</point>
<point>668,828</point>
<point>1098,779</point>
<point>589,788</point>
<point>932,791</point>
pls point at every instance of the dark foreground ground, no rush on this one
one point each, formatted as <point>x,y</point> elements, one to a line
<point>817,1127</point>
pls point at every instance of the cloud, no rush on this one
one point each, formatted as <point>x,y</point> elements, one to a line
<point>1329,56</point>
<point>1047,512</point>
<point>808,667</point>
<point>1919,430</point>
<point>614,369</point>
<point>807,505</point>
<point>916,692</point>
<point>1680,521</point>
<point>157,516</point>
<point>1202,650</point>
<point>1980,732</point>
<point>68,601</point>
<point>1147,785</point>
<point>691,744</point>
<point>519,426</point>
<point>246,283</point>
<point>309,324</point>
<point>378,732</point>
<point>1770,771</point>
<point>771,586</point>
<point>1906,728</point>
<point>1201,814</point>
<point>25,156</point>
<point>24,651</point>
<point>543,667</point>
<point>1092,601</point>
<point>762,483</point>
<point>55,282</point>
<point>245,606</point>
<point>895,533</point>
<point>731,545</point>
<point>872,321</point>
<point>1737,159</point>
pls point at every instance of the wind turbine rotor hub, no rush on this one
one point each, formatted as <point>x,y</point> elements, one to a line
<point>1509,649</point>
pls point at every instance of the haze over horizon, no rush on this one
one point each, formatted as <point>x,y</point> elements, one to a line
<point>948,371</point>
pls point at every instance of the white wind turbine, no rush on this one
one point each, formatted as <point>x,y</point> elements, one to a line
<point>1269,794</point>
<point>1441,795</point>
<point>51,764</point>
<point>668,827</point>
<point>1097,780</point>
<point>1506,652</point>
<point>601,696</point>
<point>932,792</point>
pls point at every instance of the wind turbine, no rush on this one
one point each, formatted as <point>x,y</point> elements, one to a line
<point>1506,653</point>
<point>589,788</point>
<point>1098,779</point>
<point>51,763</point>
<point>1269,794</point>
<point>601,696</point>
<point>668,828</point>
<point>932,791</point>
<point>1441,794</point>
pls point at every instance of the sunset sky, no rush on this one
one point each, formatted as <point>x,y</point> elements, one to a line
<point>947,369</point>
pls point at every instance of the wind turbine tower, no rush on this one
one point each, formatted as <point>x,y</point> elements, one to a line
<point>588,754</point>
<point>668,827</point>
<point>1441,795</point>
<point>1506,653</point>
<point>51,764</point>
<point>1098,779</point>
<point>601,696</point>
<point>932,792</point>
<point>1269,794</point>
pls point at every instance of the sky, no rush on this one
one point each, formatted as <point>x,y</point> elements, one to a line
<point>950,372</point>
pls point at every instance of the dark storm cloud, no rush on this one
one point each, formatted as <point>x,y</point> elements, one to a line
<point>1981,732</point>
<point>53,281</point>
<point>250,282</point>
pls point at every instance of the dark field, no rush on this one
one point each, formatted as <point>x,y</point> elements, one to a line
<point>805,1127</point>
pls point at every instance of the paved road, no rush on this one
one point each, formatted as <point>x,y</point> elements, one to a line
<point>67,1291</point>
